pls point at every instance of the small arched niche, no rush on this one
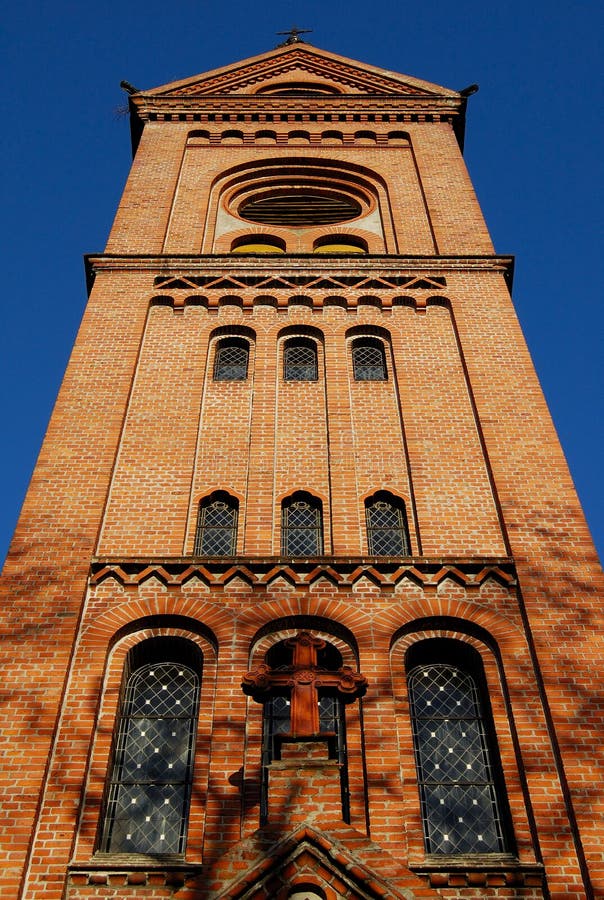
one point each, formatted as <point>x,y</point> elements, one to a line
<point>258,243</point>
<point>266,137</point>
<point>231,137</point>
<point>341,244</point>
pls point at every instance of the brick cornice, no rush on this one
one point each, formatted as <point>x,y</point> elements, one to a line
<point>344,572</point>
<point>370,266</point>
<point>341,104</point>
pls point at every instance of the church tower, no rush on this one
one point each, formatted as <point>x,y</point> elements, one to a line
<point>301,604</point>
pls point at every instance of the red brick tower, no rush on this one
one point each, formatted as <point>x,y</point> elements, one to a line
<point>301,603</point>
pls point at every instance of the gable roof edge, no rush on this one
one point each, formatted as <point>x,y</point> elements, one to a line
<point>301,48</point>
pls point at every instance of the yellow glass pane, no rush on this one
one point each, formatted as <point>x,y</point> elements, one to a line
<point>339,248</point>
<point>257,248</point>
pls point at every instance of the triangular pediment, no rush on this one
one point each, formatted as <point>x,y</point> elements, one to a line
<point>295,65</point>
<point>269,857</point>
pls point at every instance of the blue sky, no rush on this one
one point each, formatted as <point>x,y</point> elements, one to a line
<point>534,147</point>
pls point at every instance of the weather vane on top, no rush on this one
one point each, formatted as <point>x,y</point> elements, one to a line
<point>294,35</point>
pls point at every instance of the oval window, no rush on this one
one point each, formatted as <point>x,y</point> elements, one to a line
<point>299,208</point>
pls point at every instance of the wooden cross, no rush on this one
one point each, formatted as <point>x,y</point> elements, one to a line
<point>304,677</point>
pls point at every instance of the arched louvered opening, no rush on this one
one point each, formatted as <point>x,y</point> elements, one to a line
<point>297,207</point>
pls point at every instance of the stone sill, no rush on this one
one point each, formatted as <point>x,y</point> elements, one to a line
<point>116,869</point>
<point>484,870</point>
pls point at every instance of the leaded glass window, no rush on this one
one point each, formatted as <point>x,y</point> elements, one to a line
<point>387,533</point>
<point>461,807</point>
<point>150,784</point>
<point>368,360</point>
<point>300,360</point>
<point>277,713</point>
<point>301,527</point>
<point>230,362</point>
<point>217,526</point>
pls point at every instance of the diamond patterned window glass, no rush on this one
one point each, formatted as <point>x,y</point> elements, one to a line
<point>301,527</point>
<point>330,712</point>
<point>150,782</point>
<point>217,527</point>
<point>368,360</point>
<point>277,713</point>
<point>460,805</point>
<point>387,533</point>
<point>300,360</point>
<point>230,362</point>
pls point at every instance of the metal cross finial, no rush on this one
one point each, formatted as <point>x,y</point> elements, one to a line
<point>294,35</point>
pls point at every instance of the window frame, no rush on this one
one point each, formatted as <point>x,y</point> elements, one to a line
<point>448,654</point>
<point>397,504</point>
<point>288,530</point>
<point>150,654</point>
<point>295,343</point>
<point>224,344</point>
<point>202,528</point>
<point>361,343</point>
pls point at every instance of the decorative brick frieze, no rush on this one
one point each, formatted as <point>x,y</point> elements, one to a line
<point>260,573</point>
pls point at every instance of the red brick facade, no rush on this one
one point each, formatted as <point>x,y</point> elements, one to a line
<point>500,563</point>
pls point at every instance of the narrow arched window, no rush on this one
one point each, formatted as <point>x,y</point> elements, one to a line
<point>300,360</point>
<point>387,532</point>
<point>462,804</point>
<point>368,360</point>
<point>231,360</point>
<point>150,783</point>
<point>217,526</point>
<point>301,526</point>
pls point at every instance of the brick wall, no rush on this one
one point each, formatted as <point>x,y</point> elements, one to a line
<point>101,559</point>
